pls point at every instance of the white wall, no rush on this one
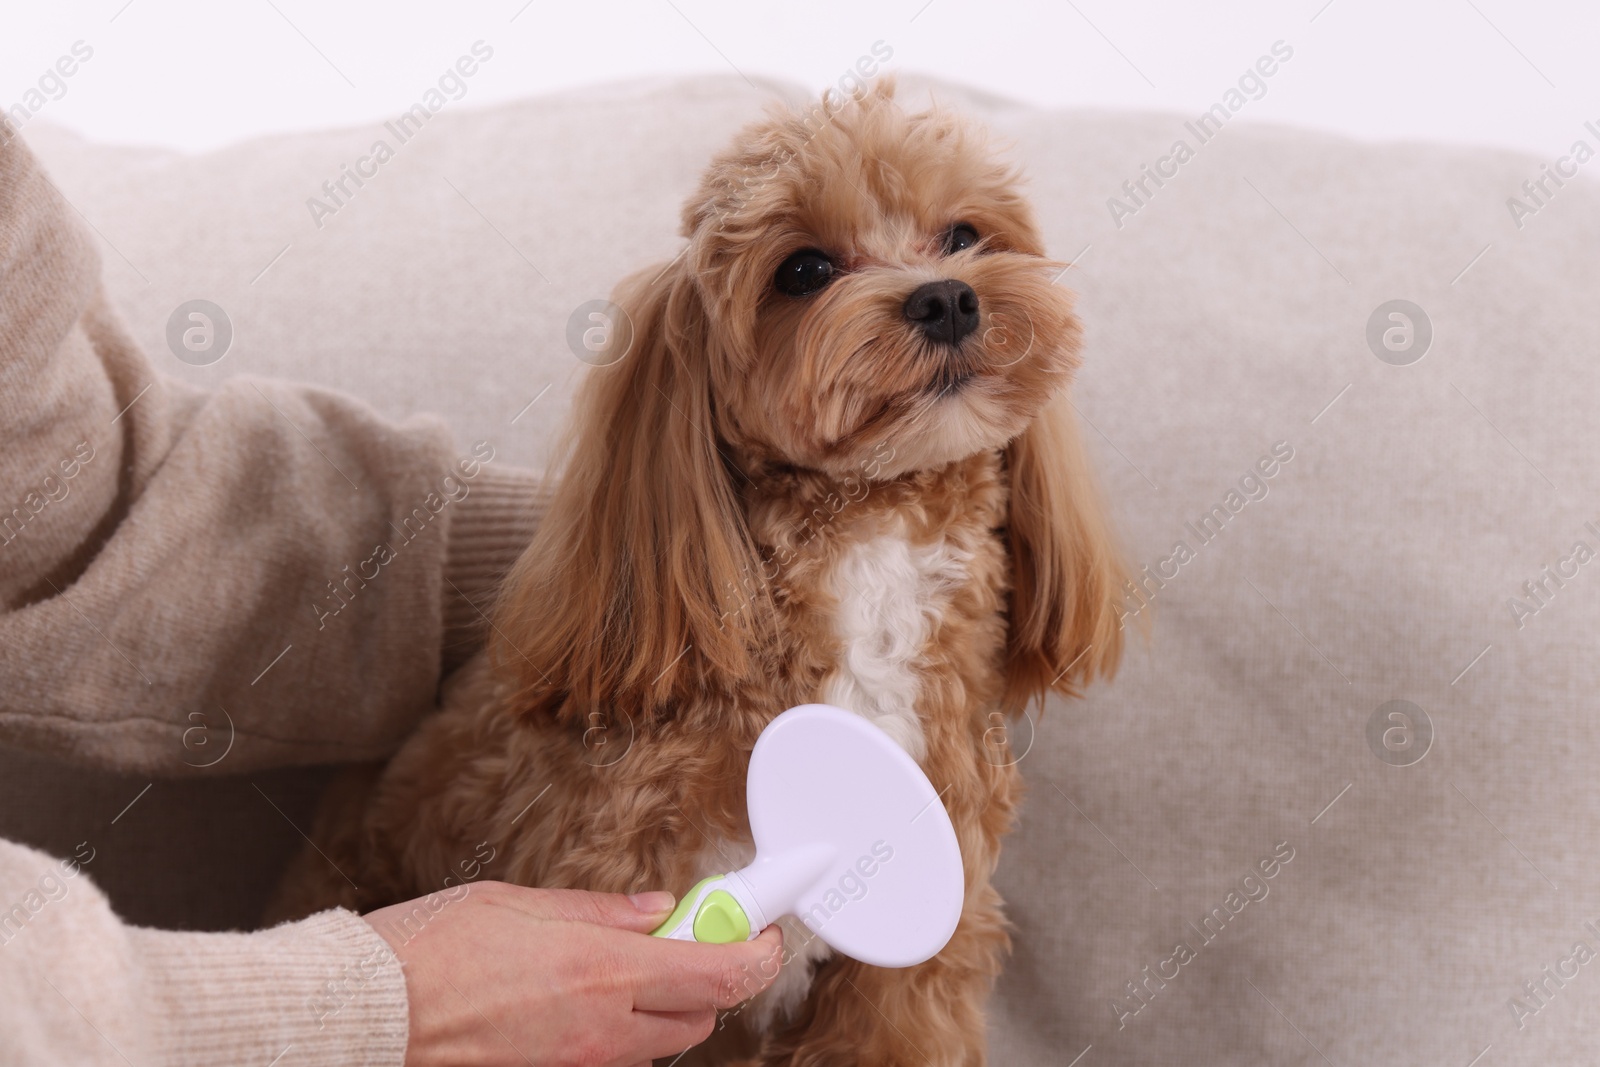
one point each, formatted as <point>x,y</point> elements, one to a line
<point>196,74</point>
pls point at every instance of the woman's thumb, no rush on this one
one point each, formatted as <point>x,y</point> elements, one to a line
<point>641,912</point>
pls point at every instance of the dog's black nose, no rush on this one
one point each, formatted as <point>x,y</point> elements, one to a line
<point>946,311</point>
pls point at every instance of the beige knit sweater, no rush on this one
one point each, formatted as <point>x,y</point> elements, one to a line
<point>273,550</point>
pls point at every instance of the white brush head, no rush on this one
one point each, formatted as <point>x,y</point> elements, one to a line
<point>851,838</point>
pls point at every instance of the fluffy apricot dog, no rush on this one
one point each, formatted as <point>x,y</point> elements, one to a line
<point>832,460</point>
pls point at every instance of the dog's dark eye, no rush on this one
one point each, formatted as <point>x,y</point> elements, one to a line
<point>803,273</point>
<point>959,238</point>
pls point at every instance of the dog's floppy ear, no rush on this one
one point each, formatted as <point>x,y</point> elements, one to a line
<point>1067,571</point>
<point>629,594</point>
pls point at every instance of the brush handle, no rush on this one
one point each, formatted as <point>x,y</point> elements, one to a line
<point>711,913</point>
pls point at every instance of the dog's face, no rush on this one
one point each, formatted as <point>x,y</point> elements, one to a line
<point>864,293</point>
<point>874,286</point>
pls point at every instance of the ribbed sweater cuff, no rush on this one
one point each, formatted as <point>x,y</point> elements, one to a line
<point>489,528</point>
<point>328,988</point>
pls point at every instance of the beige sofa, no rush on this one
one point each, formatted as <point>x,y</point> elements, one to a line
<point>1238,310</point>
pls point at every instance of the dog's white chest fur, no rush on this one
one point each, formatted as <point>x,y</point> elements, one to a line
<point>891,594</point>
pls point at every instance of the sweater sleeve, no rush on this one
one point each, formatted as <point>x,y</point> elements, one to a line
<point>78,986</point>
<point>273,563</point>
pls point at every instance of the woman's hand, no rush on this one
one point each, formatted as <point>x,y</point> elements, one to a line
<point>507,975</point>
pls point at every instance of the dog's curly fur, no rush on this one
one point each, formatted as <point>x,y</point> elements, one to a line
<point>771,500</point>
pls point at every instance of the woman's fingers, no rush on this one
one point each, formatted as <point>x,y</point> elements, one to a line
<point>672,976</point>
<point>516,976</point>
<point>680,976</point>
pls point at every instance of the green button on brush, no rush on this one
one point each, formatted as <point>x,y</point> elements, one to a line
<point>720,920</point>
